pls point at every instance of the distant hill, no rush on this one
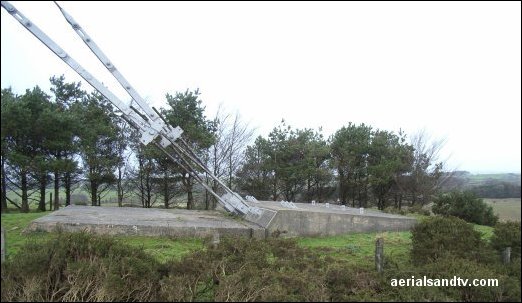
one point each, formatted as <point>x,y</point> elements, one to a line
<point>485,178</point>
<point>486,185</point>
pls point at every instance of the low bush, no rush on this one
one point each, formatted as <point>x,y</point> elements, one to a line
<point>465,205</point>
<point>448,270</point>
<point>507,234</point>
<point>348,284</point>
<point>508,289</point>
<point>80,267</point>
<point>394,210</point>
<point>418,209</point>
<point>440,237</point>
<point>83,267</point>
<point>247,270</point>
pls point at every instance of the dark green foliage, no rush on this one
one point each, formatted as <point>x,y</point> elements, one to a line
<point>442,237</point>
<point>466,260</point>
<point>80,267</point>
<point>42,137</point>
<point>507,234</point>
<point>187,112</point>
<point>61,129</point>
<point>98,144</point>
<point>255,176</point>
<point>395,210</point>
<point>513,269</point>
<point>292,164</point>
<point>465,205</point>
<point>468,269</point>
<point>347,283</point>
<point>508,288</point>
<point>23,131</point>
<point>84,267</point>
<point>388,157</point>
<point>418,209</point>
<point>497,189</point>
<point>350,147</point>
<point>247,270</point>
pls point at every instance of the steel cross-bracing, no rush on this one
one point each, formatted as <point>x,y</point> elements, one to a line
<point>152,127</point>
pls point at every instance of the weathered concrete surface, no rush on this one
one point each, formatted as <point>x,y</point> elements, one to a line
<point>149,222</point>
<point>319,220</point>
<point>305,220</point>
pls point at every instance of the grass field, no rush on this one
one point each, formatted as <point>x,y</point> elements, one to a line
<point>357,249</point>
<point>470,180</point>
<point>14,224</point>
<point>162,248</point>
<point>506,209</point>
<point>80,196</point>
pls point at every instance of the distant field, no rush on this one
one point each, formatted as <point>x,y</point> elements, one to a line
<point>506,209</point>
<point>81,196</point>
<point>482,178</point>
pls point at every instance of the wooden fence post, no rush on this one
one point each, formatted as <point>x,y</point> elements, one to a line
<point>215,240</point>
<point>379,254</point>
<point>506,255</point>
<point>3,244</point>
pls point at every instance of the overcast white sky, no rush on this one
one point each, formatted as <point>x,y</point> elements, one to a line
<point>452,68</point>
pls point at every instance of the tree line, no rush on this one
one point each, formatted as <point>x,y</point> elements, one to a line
<point>73,137</point>
<point>358,165</point>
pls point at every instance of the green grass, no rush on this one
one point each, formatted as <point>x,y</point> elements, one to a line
<point>164,248</point>
<point>357,249</point>
<point>14,224</point>
<point>486,231</point>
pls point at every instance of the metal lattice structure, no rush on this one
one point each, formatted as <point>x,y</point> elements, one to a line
<point>147,120</point>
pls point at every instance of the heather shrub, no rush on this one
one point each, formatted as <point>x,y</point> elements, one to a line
<point>438,237</point>
<point>464,205</point>
<point>507,234</point>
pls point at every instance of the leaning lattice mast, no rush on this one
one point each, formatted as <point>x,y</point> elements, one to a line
<point>147,120</point>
